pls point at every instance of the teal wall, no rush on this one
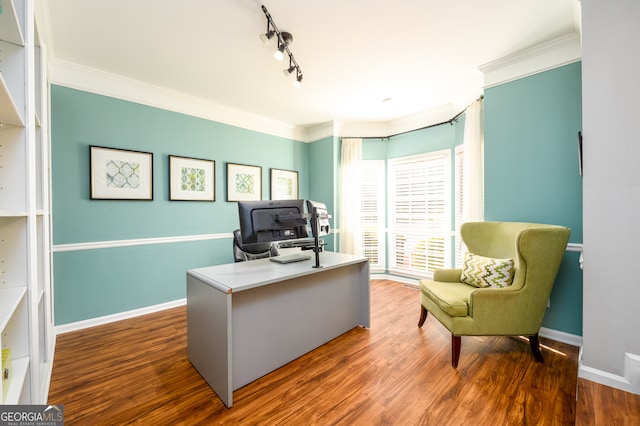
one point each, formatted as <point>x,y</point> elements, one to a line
<point>323,174</point>
<point>531,166</point>
<point>530,175</point>
<point>92,283</point>
<point>531,169</point>
<point>430,139</point>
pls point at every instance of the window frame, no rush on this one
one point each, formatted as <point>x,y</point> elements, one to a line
<point>432,177</point>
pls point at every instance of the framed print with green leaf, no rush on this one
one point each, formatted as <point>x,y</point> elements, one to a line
<point>120,174</point>
<point>284,184</point>
<point>244,183</point>
<point>191,179</point>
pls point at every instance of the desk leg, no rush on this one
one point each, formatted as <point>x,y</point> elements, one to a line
<point>365,295</point>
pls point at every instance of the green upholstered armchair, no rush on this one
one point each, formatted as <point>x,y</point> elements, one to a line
<point>516,310</point>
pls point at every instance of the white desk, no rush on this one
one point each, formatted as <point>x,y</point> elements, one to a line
<point>247,319</point>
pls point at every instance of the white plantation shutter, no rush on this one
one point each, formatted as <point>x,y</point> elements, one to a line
<point>459,197</point>
<point>419,213</point>
<point>373,218</point>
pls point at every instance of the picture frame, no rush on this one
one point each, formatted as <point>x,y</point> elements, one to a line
<point>191,179</point>
<point>244,182</point>
<point>120,174</point>
<point>284,184</point>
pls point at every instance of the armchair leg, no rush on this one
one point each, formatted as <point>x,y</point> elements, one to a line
<point>455,350</point>
<point>423,315</point>
<point>534,342</point>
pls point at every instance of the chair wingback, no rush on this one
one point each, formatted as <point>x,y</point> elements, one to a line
<point>537,249</point>
<point>519,309</point>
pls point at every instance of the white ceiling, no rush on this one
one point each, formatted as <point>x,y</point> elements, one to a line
<point>354,54</point>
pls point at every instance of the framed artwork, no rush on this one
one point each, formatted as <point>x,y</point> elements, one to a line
<point>120,174</point>
<point>191,179</point>
<point>284,184</point>
<point>244,183</point>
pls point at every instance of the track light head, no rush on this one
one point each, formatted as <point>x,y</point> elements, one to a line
<point>266,37</point>
<point>284,40</point>
<point>298,81</point>
<point>279,54</point>
<point>289,70</point>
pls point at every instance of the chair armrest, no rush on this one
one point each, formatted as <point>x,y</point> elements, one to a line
<point>505,309</point>
<point>447,275</point>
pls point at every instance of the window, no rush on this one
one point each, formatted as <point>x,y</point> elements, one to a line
<point>420,213</point>
<point>373,217</point>
<point>459,180</point>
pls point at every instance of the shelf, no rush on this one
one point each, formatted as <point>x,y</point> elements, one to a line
<point>9,24</point>
<point>9,113</point>
<point>26,322</point>
<point>19,369</point>
<point>10,298</point>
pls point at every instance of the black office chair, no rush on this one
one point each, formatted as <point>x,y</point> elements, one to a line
<point>243,253</point>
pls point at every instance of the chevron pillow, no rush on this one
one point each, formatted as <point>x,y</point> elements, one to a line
<point>480,271</point>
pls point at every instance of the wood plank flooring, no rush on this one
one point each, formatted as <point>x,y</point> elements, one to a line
<point>601,405</point>
<point>137,372</point>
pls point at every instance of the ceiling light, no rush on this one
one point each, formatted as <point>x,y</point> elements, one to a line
<point>284,40</point>
<point>279,54</point>
<point>289,70</point>
<point>298,82</point>
<point>266,37</point>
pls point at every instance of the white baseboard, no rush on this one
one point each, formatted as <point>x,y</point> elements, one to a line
<point>79,325</point>
<point>397,278</point>
<point>630,382</point>
<point>561,336</point>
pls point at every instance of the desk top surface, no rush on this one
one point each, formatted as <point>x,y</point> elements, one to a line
<point>234,277</point>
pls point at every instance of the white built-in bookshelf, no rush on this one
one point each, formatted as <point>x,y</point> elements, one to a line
<point>26,318</point>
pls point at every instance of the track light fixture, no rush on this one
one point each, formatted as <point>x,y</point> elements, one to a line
<point>284,39</point>
<point>298,82</point>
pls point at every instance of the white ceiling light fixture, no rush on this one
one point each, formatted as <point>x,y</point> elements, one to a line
<point>284,40</point>
<point>298,81</point>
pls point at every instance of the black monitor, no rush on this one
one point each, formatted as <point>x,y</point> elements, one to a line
<point>319,219</point>
<point>272,220</point>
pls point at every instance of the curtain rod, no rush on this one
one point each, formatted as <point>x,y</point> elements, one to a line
<point>450,121</point>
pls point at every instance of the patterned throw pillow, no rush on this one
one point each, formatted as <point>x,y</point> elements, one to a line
<point>480,271</point>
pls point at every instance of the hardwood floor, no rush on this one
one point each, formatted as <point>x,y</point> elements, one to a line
<point>602,405</point>
<point>137,372</point>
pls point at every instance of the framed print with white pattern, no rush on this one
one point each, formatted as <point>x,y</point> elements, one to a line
<point>191,179</point>
<point>244,183</point>
<point>120,174</point>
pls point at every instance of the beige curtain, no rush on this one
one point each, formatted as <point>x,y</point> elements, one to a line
<point>473,163</point>
<point>350,196</point>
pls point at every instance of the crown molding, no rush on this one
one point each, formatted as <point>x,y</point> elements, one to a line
<point>320,131</point>
<point>415,121</point>
<point>543,57</point>
<point>552,54</point>
<point>91,80</point>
